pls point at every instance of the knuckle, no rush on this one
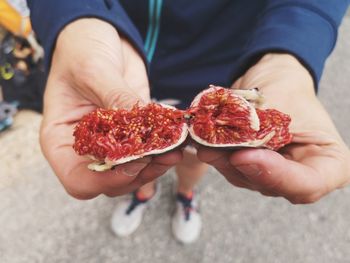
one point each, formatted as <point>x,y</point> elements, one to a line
<point>148,177</point>
<point>42,138</point>
<point>272,185</point>
<point>237,183</point>
<point>294,200</point>
<point>45,136</point>
<point>205,155</point>
<point>78,192</point>
<point>309,199</point>
<point>269,193</point>
<point>142,180</point>
<point>114,97</point>
<point>160,168</point>
<point>115,193</point>
<point>87,71</point>
<point>81,195</point>
<point>312,199</point>
<point>44,133</point>
<point>111,195</point>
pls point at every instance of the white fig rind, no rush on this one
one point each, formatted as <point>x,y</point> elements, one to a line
<point>254,144</point>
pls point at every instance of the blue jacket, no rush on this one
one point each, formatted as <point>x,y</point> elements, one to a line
<point>190,44</point>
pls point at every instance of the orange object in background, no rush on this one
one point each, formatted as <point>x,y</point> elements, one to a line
<point>12,20</point>
<point>14,17</point>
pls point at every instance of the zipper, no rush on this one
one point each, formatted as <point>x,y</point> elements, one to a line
<point>154,15</point>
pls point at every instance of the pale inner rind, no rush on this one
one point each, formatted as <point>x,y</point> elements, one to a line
<point>255,143</point>
<point>108,164</point>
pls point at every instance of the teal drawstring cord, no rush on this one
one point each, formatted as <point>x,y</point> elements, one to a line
<point>155,9</point>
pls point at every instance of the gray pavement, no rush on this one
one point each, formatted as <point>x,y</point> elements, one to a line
<point>39,222</point>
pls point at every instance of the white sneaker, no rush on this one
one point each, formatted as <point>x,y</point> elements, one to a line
<point>186,222</point>
<point>128,213</point>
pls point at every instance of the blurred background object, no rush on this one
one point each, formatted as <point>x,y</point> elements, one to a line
<point>14,17</point>
<point>22,78</point>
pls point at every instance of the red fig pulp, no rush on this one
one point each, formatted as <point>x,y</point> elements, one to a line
<point>217,118</point>
<point>112,135</point>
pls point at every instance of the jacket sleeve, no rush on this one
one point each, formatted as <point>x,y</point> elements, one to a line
<point>49,17</point>
<point>306,29</point>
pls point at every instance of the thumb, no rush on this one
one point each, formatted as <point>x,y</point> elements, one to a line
<point>118,98</point>
<point>270,171</point>
<point>237,84</point>
<point>117,94</point>
<point>109,90</point>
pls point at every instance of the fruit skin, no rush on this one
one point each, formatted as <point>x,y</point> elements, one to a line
<point>218,117</point>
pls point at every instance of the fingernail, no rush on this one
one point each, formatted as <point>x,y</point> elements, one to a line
<point>133,169</point>
<point>249,169</point>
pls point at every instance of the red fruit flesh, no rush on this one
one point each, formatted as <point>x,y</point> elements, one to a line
<point>115,134</point>
<point>217,118</point>
<point>273,120</point>
<point>222,118</point>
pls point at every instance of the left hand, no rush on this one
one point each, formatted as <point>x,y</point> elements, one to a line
<point>316,163</point>
<point>93,66</point>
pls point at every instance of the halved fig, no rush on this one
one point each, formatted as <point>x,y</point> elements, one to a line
<point>224,118</point>
<point>112,137</point>
<point>217,117</point>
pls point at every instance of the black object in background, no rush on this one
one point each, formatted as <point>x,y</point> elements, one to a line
<point>27,84</point>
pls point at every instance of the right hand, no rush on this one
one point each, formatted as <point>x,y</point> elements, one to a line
<point>92,66</point>
<point>314,164</point>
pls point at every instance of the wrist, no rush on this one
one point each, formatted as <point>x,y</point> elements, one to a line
<point>86,27</point>
<point>287,73</point>
<point>282,59</point>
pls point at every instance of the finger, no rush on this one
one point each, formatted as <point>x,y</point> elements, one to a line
<point>237,83</point>
<point>235,178</point>
<point>219,158</point>
<point>132,168</point>
<point>135,73</point>
<point>160,164</point>
<point>105,87</point>
<point>119,86</point>
<point>72,170</point>
<point>245,82</point>
<point>148,174</point>
<point>270,171</point>
<point>169,158</point>
<point>79,181</point>
<point>268,193</point>
<point>99,76</point>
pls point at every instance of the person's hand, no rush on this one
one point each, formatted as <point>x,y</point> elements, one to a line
<point>317,161</point>
<point>92,66</point>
